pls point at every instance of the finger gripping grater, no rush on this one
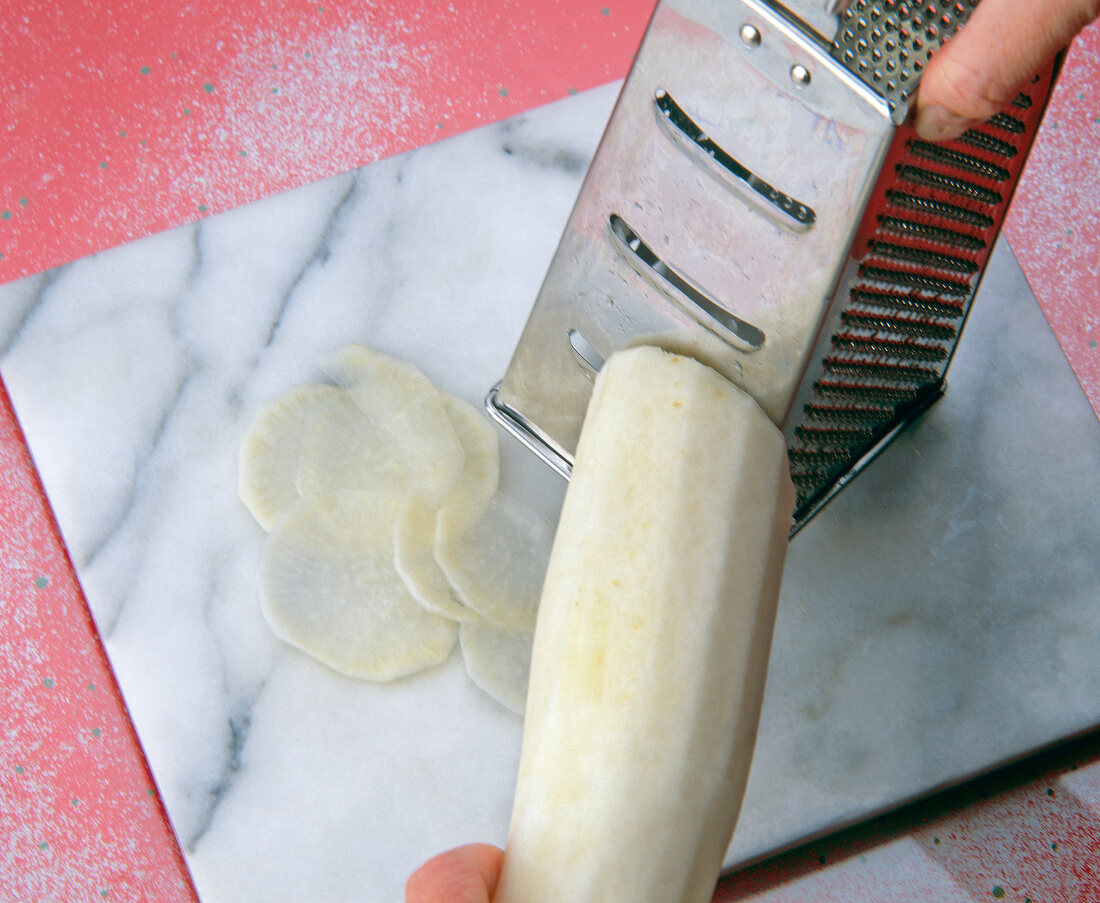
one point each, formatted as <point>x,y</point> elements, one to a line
<point>758,202</point>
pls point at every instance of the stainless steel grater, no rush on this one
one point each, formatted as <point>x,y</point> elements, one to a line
<point>757,202</point>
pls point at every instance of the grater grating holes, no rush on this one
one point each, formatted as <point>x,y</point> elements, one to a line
<point>856,392</point>
<point>951,184</point>
<point>852,415</point>
<point>915,280</point>
<point>876,298</point>
<point>958,160</point>
<point>887,43</point>
<point>942,209</point>
<point>835,435</point>
<point>889,348</point>
<point>938,234</point>
<point>985,141</point>
<point>887,371</point>
<point>884,323</point>
<point>937,215</point>
<point>1007,123</point>
<point>923,257</point>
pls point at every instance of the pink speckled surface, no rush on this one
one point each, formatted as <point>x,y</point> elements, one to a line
<point>121,118</point>
<point>1054,223</point>
<point>80,818</point>
<point>1029,833</point>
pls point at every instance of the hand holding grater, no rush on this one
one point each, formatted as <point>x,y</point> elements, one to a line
<point>758,203</point>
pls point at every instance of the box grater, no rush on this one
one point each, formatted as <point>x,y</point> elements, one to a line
<point>758,202</point>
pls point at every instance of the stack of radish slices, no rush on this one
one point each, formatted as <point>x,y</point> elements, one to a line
<point>390,540</point>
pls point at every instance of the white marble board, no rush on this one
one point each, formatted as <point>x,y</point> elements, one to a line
<point>939,618</point>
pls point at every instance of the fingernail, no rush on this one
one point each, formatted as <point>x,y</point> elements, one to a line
<point>937,123</point>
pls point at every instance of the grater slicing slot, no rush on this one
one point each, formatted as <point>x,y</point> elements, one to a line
<point>698,145</point>
<point>587,356</point>
<point>645,262</point>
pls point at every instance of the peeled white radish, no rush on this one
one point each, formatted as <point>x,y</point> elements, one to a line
<point>328,586</point>
<point>497,660</point>
<point>652,641</point>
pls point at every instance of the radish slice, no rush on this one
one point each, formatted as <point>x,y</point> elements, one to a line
<point>413,560</point>
<point>415,531</point>
<point>345,450</point>
<point>328,586</point>
<point>497,660</point>
<point>497,567</point>
<point>272,449</point>
<point>408,413</point>
<point>480,477</point>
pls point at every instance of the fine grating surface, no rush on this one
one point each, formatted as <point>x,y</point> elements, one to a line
<point>888,42</point>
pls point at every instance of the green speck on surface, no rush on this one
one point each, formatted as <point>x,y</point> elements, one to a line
<point>96,732</point>
<point>48,683</point>
<point>998,892</point>
<point>43,845</point>
<point>103,164</point>
<point>103,892</point>
<point>23,202</point>
<point>150,792</point>
<point>42,582</point>
<point>572,92</point>
<point>91,687</point>
<point>274,90</point>
<point>244,153</point>
<point>1092,343</point>
<point>202,208</point>
<point>19,769</point>
<point>5,215</point>
<point>1054,846</point>
<point>75,801</point>
<point>605,11</point>
<point>503,92</point>
<point>309,55</point>
<point>1050,791</point>
<point>208,88</point>
<point>144,70</point>
<point>935,840</point>
<point>186,111</point>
